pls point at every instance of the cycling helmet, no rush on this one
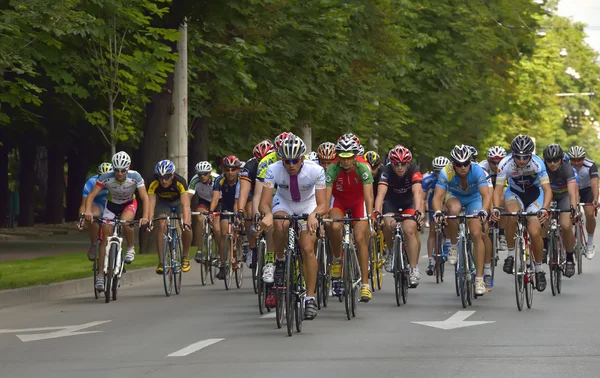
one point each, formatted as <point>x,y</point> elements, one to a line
<point>553,151</point>
<point>346,146</point>
<point>203,167</point>
<point>350,136</point>
<point>262,149</point>
<point>522,144</point>
<point>313,156</point>
<point>496,152</point>
<point>361,150</point>
<point>400,154</point>
<point>373,158</point>
<point>280,138</point>
<point>121,160</point>
<point>461,154</point>
<point>164,167</point>
<point>326,151</point>
<point>231,162</point>
<point>577,152</point>
<point>440,162</point>
<point>104,168</point>
<point>474,152</point>
<point>291,147</point>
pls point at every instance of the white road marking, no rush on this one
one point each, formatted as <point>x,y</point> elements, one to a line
<point>63,331</point>
<point>269,315</point>
<point>194,347</point>
<point>455,321</point>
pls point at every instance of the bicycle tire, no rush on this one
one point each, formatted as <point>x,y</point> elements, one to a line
<point>115,281</point>
<point>397,271</point>
<point>228,256</point>
<point>239,270</point>
<point>579,246</point>
<point>469,273</point>
<point>355,278</point>
<point>108,277</point>
<point>289,285</point>
<point>461,272</point>
<point>279,306</point>
<point>212,258</point>
<point>347,282</point>
<point>405,274</point>
<point>260,285</point>
<point>438,258</point>
<point>167,267</point>
<point>519,273</point>
<point>372,278</point>
<point>320,274</point>
<point>553,263</point>
<point>95,266</point>
<point>530,283</point>
<point>561,264</point>
<point>299,294</point>
<point>204,266</point>
<point>178,273</point>
<point>495,241</point>
<point>327,277</point>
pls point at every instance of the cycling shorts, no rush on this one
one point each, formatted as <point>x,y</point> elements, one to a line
<point>531,200</point>
<point>473,203</point>
<point>294,208</point>
<point>392,208</point>
<point>101,205</point>
<point>358,208</point>
<point>112,210</point>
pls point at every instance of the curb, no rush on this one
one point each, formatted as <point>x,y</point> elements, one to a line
<point>59,290</point>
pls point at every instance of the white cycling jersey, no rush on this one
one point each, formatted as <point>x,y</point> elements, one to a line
<point>534,174</point>
<point>297,188</point>
<point>204,190</point>
<point>586,173</point>
<point>120,191</point>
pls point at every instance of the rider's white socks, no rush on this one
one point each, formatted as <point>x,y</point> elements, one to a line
<point>511,252</point>
<point>590,240</point>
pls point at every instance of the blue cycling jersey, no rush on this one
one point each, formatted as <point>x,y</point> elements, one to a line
<point>89,185</point>
<point>451,182</point>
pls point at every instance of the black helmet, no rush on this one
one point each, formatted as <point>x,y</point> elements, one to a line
<point>522,144</point>
<point>553,151</point>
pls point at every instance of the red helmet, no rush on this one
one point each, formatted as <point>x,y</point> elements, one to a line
<point>400,154</point>
<point>231,162</point>
<point>280,138</point>
<point>262,149</point>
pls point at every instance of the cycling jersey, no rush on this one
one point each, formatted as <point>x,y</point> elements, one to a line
<point>399,191</point>
<point>349,186</point>
<point>560,179</point>
<point>264,164</point>
<point>530,177</point>
<point>101,198</point>
<point>298,188</point>
<point>429,181</point>
<point>203,190</point>
<point>171,192</point>
<point>488,169</point>
<point>376,179</point>
<point>229,193</point>
<point>120,192</point>
<point>249,174</point>
<point>586,173</point>
<point>451,182</point>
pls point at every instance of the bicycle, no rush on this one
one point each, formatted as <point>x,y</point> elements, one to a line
<point>292,290</point>
<point>376,260</point>
<point>464,270</point>
<point>233,251</point>
<point>261,249</point>
<point>209,259</point>
<point>172,253</point>
<point>324,270</point>
<point>495,232</point>
<point>96,261</point>
<point>556,250</point>
<point>351,275</point>
<point>523,268</point>
<point>399,258</point>
<point>438,253</point>
<point>114,264</point>
<point>580,236</point>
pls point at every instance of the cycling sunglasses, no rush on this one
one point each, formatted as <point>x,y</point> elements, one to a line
<point>400,164</point>
<point>522,157</point>
<point>291,161</point>
<point>462,165</point>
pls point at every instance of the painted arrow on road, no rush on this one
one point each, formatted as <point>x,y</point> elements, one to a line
<point>63,331</point>
<point>455,321</point>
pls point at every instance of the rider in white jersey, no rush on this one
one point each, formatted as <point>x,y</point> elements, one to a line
<point>300,189</point>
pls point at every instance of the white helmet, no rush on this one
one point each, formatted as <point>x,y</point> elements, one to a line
<point>361,150</point>
<point>461,154</point>
<point>576,152</point>
<point>440,162</point>
<point>291,147</point>
<point>121,160</point>
<point>203,167</point>
<point>313,156</point>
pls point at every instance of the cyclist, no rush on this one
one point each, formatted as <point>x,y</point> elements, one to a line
<point>201,185</point>
<point>587,172</point>
<point>400,187</point>
<point>528,189</point>
<point>429,182</point>
<point>247,181</point>
<point>300,190</point>
<point>168,190</point>
<point>313,156</point>
<point>464,184</point>
<point>494,155</point>
<point>121,184</point>
<point>564,191</point>
<point>97,206</point>
<point>349,185</point>
<point>374,161</point>
<point>226,191</point>
<point>326,154</point>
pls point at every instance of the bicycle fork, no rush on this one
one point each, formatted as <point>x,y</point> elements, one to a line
<point>114,240</point>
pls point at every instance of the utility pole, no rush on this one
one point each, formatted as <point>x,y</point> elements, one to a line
<point>178,128</point>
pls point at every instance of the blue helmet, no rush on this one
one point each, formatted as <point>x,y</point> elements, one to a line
<point>164,167</point>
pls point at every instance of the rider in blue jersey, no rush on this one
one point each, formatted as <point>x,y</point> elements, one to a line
<point>97,206</point>
<point>464,184</point>
<point>429,182</point>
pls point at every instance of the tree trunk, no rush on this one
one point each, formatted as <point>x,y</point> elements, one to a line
<point>56,187</point>
<point>27,155</point>
<point>198,144</point>
<point>4,193</point>
<point>77,165</point>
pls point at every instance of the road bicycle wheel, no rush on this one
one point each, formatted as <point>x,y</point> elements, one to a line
<point>290,297</point>
<point>405,274</point>
<point>299,295</point>
<point>177,271</point>
<point>470,273</point>
<point>561,258</point>
<point>519,273</point>
<point>530,280</point>
<point>326,284</point>
<point>355,279</point>
<point>95,266</point>
<point>167,263</point>
<point>279,305</point>
<point>456,280</point>
<point>553,264</point>
<point>110,271</point>
<point>437,250</point>
<point>238,263</point>
<point>397,267</point>
<point>463,271</point>
<point>261,288</point>
<point>379,262</point>
<point>320,272</point>
<point>372,278</point>
<point>213,258</point>
<point>347,281</point>
<point>495,242</point>
<point>228,250</point>
<point>579,246</point>
<point>116,278</point>
<point>204,264</point>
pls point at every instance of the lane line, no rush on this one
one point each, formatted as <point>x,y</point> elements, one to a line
<point>194,347</point>
<point>269,315</point>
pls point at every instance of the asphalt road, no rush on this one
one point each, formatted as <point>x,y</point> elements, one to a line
<point>134,336</point>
